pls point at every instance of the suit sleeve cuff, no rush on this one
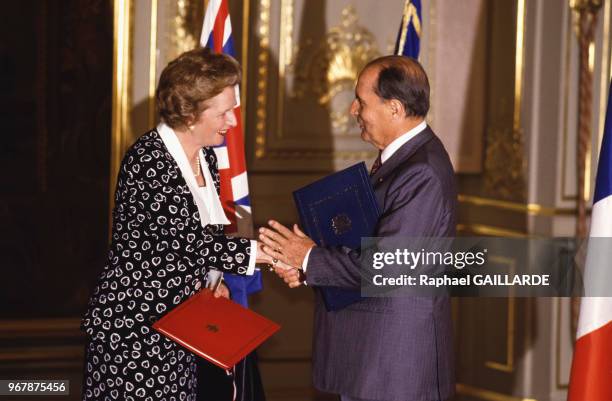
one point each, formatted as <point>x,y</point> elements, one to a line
<point>252,258</point>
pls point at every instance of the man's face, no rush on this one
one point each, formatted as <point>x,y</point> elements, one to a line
<point>370,110</point>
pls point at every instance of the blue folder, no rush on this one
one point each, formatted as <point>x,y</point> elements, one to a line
<point>339,209</point>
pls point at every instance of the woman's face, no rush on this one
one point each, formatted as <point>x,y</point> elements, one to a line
<point>214,122</point>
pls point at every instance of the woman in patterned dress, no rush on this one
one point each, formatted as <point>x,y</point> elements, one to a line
<point>167,234</point>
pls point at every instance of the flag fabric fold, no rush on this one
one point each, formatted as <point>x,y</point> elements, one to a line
<point>591,374</point>
<point>234,193</point>
<point>409,36</point>
<point>217,35</point>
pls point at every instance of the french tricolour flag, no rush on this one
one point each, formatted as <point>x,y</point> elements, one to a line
<point>217,35</point>
<point>591,376</point>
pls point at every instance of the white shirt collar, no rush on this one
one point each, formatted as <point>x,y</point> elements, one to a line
<point>401,140</point>
<point>206,199</point>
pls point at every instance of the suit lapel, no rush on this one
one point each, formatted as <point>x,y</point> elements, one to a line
<point>402,154</point>
<point>379,179</point>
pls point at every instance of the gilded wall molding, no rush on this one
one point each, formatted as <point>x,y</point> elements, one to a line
<point>487,395</point>
<point>566,88</point>
<point>187,24</point>
<point>605,74</point>
<point>431,39</point>
<point>507,366</point>
<point>263,56</point>
<point>532,209</point>
<point>285,59</point>
<point>20,328</point>
<point>604,59</point>
<point>560,384</point>
<point>14,356</point>
<point>152,62</point>
<point>335,65</point>
<point>331,68</point>
<point>505,164</point>
<point>123,23</point>
<point>487,230</point>
<point>292,154</point>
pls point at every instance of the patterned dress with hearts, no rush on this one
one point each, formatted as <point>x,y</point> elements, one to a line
<point>158,257</point>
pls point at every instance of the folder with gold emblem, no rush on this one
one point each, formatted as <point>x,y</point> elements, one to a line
<point>338,210</point>
<point>216,329</point>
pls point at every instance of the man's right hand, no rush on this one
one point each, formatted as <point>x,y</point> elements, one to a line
<point>293,277</point>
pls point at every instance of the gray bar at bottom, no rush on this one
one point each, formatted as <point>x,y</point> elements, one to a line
<point>34,387</point>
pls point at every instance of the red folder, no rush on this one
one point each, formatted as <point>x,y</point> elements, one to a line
<point>216,329</point>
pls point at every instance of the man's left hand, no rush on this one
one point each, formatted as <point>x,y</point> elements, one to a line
<point>285,245</point>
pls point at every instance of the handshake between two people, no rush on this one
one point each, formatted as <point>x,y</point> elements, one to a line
<point>285,250</point>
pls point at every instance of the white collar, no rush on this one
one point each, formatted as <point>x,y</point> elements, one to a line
<point>401,140</point>
<point>208,202</point>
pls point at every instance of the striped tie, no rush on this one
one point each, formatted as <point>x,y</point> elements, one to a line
<point>376,165</point>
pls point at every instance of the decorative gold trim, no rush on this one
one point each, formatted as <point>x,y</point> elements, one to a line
<point>604,82</point>
<point>245,62</point>
<point>508,366</point>
<point>285,57</point>
<point>320,153</point>
<point>262,78</point>
<point>403,28</point>
<point>587,172</point>
<point>605,78</point>
<point>560,386</point>
<point>121,129</point>
<point>566,88</point>
<point>591,58</point>
<point>482,229</point>
<point>42,137</point>
<point>518,66</point>
<point>533,209</point>
<point>409,13</point>
<point>333,67</point>
<point>431,53</point>
<point>183,36</point>
<point>61,352</point>
<point>152,62</point>
<point>294,393</point>
<point>295,359</point>
<point>488,395</point>
<point>19,328</point>
<point>507,179</point>
<point>285,60</point>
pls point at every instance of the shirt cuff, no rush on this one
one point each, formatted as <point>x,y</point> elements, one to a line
<point>305,261</point>
<point>251,269</point>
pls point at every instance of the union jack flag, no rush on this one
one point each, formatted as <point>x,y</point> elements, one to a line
<point>217,35</point>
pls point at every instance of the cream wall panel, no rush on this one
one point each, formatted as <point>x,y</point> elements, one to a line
<point>458,87</point>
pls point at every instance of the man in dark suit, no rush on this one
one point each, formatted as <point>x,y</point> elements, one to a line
<point>390,348</point>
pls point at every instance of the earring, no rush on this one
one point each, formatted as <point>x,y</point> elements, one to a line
<point>191,127</point>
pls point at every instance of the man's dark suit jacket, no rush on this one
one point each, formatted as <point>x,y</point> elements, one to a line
<point>396,348</point>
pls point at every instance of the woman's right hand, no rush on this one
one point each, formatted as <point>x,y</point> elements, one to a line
<point>261,256</point>
<point>266,259</point>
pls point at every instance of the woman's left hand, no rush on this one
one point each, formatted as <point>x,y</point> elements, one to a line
<point>222,291</point>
